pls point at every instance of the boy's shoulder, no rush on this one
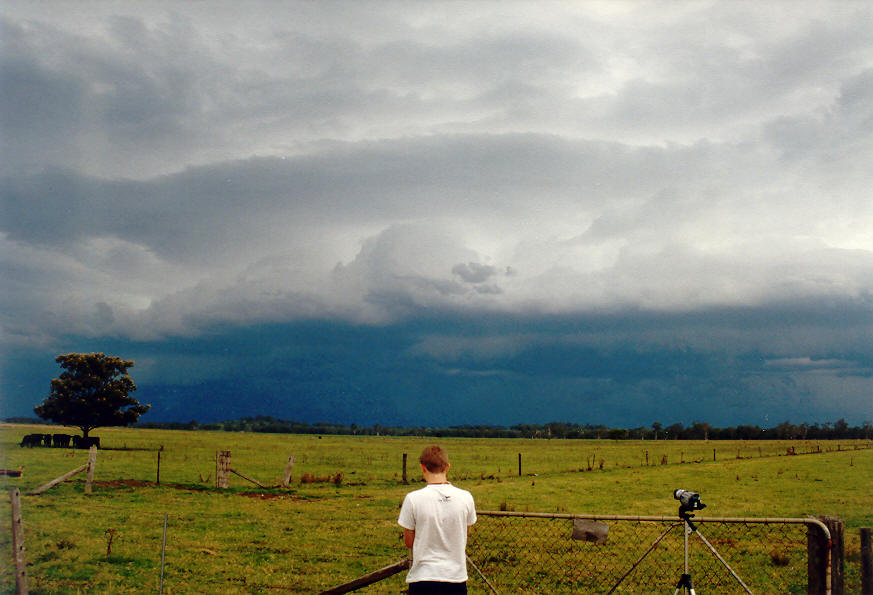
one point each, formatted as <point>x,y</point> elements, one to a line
<point>427,490</point>
<point>416,493</point>
<point>460,489</point>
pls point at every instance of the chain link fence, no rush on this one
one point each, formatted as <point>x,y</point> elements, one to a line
<point>563,553</point>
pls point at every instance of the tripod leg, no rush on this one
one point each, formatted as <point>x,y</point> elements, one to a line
<point>722,560</point>
<point>637,563</point>
<point>684,583</point>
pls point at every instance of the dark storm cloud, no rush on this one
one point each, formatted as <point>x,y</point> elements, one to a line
<point>623,370</point>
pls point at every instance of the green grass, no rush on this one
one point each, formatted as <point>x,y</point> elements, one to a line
<point>314,535</point>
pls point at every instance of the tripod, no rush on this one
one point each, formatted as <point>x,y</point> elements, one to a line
<point>685,584</point>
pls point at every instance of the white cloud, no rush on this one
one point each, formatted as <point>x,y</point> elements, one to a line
<point>807,363</point>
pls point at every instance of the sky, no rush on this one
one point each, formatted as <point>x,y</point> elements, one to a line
<point>418,213</point>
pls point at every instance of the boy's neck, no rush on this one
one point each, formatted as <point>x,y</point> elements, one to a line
<point>435,478</point>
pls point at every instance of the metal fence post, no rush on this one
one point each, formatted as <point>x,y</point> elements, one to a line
<point>163,553</point>
<point>18,543</point>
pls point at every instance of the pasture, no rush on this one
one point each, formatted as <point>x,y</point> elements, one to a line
<point>338,519</point>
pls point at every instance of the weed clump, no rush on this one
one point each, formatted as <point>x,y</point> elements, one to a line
<point>336,479</point>
<point>111,534</point>
<point>65,544</point>
<point>779,558</point>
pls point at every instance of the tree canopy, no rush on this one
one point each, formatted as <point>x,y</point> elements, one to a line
<point>697,431</point>
<point>92,392</point>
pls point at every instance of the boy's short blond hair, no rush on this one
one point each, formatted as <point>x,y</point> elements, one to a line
<point>434,459</point>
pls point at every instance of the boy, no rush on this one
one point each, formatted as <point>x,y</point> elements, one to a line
<point>435,521</point>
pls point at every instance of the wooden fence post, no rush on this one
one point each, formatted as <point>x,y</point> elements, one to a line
<point>18,543</point>
<point>289,466</point>
<point>866,562</point>
<point>158,474</point>
<point>817,549</point>
<point>838,555</point>
<point>404,469</point>
<point>222,470</point>
<point>92,462</point>
<point>369,579</point>
<point>519,464</point>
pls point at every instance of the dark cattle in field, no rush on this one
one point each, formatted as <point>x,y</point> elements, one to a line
<point>31,440</point>
<point>61,440</point>
<point>80,442</point>
<point>46,439</point>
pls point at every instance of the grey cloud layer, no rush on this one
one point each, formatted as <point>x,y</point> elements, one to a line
<point>168,169</point>
<point>147,93</point>
<point>569,225</point>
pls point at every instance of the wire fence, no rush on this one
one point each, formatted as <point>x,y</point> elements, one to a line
<point>272,543</point>
<point>560,553</point>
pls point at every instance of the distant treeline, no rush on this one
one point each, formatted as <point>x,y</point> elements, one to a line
<point>657,431</point>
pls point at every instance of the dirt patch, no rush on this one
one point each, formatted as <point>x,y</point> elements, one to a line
<point>136,483</point>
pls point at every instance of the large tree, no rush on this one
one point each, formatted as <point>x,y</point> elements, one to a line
<point>92,392</point>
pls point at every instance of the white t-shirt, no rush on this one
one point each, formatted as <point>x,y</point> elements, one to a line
<point>439,514</point>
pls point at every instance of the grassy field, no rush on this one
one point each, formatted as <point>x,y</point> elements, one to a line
<point>339,518</point>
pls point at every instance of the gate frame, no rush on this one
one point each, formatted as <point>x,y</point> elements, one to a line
<point>670,519</point>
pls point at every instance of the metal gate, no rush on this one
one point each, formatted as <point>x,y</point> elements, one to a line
<point>522,552</point>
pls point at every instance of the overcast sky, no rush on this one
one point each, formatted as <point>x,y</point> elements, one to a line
<point>439,213</point>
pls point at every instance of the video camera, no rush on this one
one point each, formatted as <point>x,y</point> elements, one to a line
<point>688,501</point>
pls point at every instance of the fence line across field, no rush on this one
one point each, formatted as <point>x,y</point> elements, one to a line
<point>510,550</point>
<point>515,551</point>
<point>159,465</point>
